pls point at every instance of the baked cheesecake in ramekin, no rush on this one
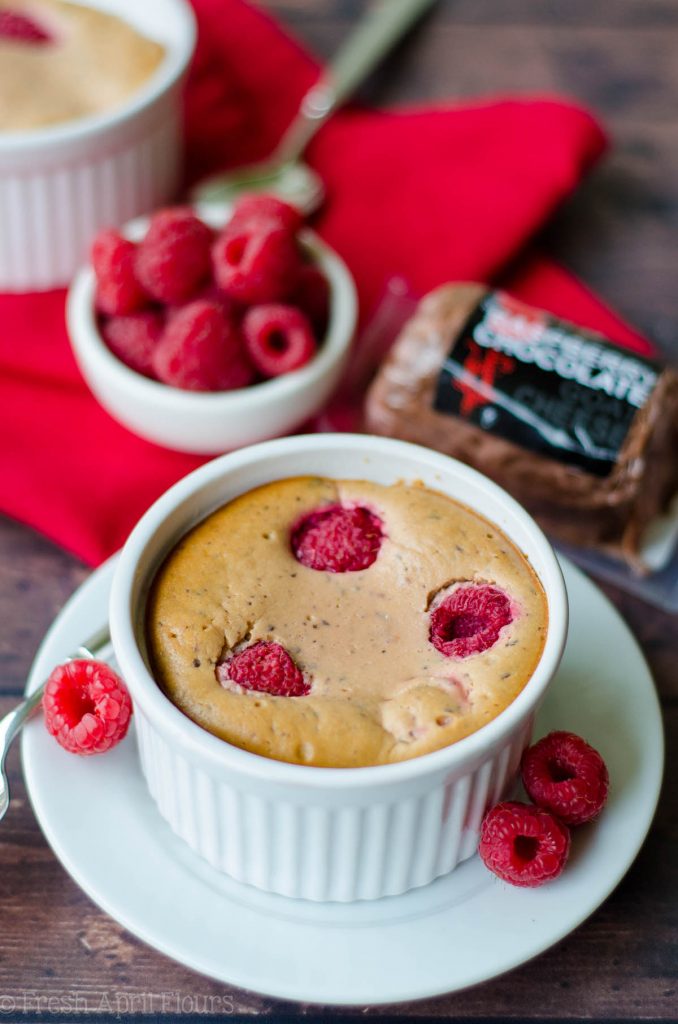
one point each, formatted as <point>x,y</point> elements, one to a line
<point>71,165</point>
<point>335,833</point>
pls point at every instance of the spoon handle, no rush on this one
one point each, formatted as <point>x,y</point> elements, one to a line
<point>368,44</point>
<point>13,721</point>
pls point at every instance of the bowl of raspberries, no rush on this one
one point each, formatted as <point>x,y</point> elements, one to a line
<point>206,329</point>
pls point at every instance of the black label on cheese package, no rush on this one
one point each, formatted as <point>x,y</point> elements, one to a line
<point>532,379</point>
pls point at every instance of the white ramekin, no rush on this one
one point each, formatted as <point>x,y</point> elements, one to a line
<point>208,423</point>
<point>60,185</point>
<point>323,833</point>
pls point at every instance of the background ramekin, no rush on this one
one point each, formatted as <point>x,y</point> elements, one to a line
<point>60,185</point>
<point>206,422</point>
<point>323,833</point>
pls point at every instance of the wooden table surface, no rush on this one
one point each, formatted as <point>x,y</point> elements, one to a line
<point>60,957</point>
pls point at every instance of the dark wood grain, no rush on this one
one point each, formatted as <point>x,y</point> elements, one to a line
<point>35,580</point>
<point>620,59</point>
<point>60,957</point>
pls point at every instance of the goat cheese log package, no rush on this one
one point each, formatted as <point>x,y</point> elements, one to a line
<point>583,433</point>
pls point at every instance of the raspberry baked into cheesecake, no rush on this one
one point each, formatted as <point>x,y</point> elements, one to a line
<point>344,623</point>
<point>62,61</point>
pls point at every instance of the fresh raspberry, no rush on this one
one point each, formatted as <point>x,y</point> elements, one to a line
<point>256,262</point>
<point>566,776</point>
<point>278,339</point>
<point>469,620</point>
<point>134,338</point>
<point>312,297</point>
<point>256,208</point>
<point>22,29</point>
<point>265,667</point>
<point>523,845</point>
<point>173,259</point>
<point>201,350</point>
<point>211,293</point>
<point>87,707</point>
<point>337,539</point>
<point>118,291</point>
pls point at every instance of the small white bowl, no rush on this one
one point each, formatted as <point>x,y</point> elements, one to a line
<point>59,185</point>
<point>323,833</point>
<point>205,422</point>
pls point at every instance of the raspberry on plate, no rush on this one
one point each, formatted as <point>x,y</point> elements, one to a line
<point>134,338</point>
<point>173,259</point>
<point>337,539</point>
<point>256,208</point>
<point>468,621</point>
<point>278,338</point>
<point>118,291</point>
<point>87,707</point>
<point>201,350</point>
<point>256,262</point>
<point>566,776</point>
<point>265,667</point>
<point>523,845</point>
<point>18,27</point>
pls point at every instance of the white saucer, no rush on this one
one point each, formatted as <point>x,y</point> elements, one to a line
<point>463,929</point>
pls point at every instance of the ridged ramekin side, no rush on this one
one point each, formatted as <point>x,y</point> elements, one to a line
<point>53,204</point>
<point>361,846</point>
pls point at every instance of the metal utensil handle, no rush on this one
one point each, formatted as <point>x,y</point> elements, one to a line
<point>383,26</point>
<point>367,45</point>
<point>12,722</point>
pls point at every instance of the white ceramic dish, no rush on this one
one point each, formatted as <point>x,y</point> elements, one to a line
<point>324,834</point>
<point>461,930</point>
<point>60,185</point>
<point>213,422</point>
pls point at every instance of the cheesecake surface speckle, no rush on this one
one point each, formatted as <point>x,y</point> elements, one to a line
<point>377,688</point>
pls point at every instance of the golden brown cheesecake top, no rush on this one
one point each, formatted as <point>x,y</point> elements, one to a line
<point>90,62</point>
<point>377,688</point>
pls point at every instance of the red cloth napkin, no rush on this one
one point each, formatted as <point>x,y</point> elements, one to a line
<point>452,193</point>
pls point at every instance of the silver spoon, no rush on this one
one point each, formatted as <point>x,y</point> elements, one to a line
<point>283,173</point>
<point>12,723</point>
